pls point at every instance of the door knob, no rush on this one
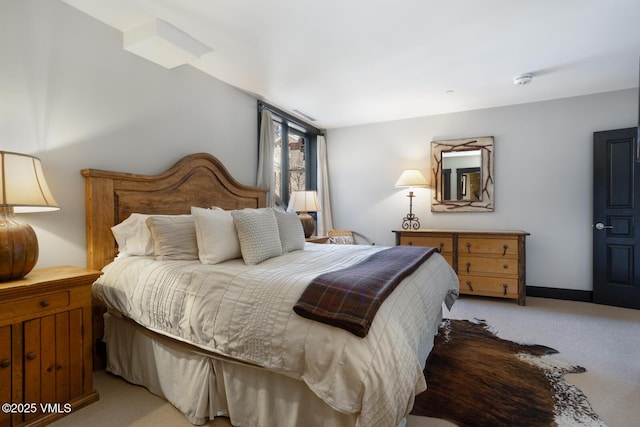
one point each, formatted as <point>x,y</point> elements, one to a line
<point>601,226</point>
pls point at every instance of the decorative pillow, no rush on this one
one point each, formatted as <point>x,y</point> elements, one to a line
<point>174,237</point>
<point>216,235</point>
<point>290,231</point>
<point>342,240</point>
<point>258,234</point>
<point>133,236</point>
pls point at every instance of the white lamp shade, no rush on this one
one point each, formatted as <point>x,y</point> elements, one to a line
<point>412,178</point>
<point>304,201</point>
<point>22,184</point>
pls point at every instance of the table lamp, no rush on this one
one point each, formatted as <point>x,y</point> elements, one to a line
<point>411,178</point>
<point>304,202</point>
<point>22,189</point>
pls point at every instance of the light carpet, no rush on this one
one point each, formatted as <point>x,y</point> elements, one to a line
<point>605,340</point>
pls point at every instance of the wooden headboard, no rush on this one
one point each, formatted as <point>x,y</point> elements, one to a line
<point>195,180</point>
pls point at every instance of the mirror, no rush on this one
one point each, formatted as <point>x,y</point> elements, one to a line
<point>462,175</point>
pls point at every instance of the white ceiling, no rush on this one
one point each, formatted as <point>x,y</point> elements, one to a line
<point>349,62</point>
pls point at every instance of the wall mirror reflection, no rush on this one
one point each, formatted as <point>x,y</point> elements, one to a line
<point>462,175</point>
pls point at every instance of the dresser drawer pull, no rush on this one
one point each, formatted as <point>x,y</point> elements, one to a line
<point>468,247</point>
<point>5,363</point>
<point>441,247</point>
<point>505,266</point>
<point>410,243</point>
<point>44,303</point>
<point>469,285</point>
<point>31,356</point>
<point>505,247</point>
<point>468,267</point>
<point>505,286</point>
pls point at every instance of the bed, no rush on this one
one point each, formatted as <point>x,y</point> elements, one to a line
<point>221,338</point>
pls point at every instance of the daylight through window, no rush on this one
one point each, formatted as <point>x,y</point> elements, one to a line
<point>294,156</point>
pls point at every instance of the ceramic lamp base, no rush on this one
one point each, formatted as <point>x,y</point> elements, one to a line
<point>308,224</point>
<point>18,247</point>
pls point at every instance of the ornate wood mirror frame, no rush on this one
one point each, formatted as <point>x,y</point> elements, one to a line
<point>483,201</point>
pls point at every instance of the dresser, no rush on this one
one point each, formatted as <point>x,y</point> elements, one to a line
<point>45,345</point>
<point>488,263</point>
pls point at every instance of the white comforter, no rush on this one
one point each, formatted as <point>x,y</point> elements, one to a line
<point>245,312</point>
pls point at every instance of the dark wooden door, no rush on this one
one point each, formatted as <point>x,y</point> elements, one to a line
<point>616,216</point>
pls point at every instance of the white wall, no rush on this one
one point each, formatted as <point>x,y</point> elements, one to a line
<point>543,172</point>
<point>72,96</point>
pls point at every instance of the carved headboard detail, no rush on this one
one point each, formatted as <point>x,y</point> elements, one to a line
<point>195,180</point>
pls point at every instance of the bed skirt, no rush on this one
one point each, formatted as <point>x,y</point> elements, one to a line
<point>202,386</point>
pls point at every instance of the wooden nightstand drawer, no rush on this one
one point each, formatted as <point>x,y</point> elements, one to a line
<point>34,305</point>
<point>443,244</point>
<point>486,246</point>
<point>317,239</point>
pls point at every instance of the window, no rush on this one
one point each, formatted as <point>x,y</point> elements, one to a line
<point>294,156</point>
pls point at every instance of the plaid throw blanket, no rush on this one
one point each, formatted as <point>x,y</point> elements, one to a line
<point>350,298</point>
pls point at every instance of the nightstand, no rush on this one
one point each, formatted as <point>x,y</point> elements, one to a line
<point>317,239</point>
<point>45,345</point>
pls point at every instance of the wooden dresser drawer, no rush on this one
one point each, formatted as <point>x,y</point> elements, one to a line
<point>443,244</point>
<point>488,246</point>
<point>493,266</point>
<point>33,305</point>
<point>480,285</point>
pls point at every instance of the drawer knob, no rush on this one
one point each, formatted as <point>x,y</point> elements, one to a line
<point>31,356</point>
<point>505,286</point>
<point>441,247</point>
<point>468,267</point>
<point>5,363</point>
<point>410,243</point>
<point>468,245</point>
<point>505,266</point>
<point>44,303</point>
<point>505,247</point>
<point>469,285</point>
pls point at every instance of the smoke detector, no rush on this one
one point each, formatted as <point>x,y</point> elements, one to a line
<point>522,79</point>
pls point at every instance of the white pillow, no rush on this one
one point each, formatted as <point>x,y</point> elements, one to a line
<point>216,235</point>
<point>342,240</point>
<point>258,234</point>
<point>174,237</point>
<point>133,236</point>
<point>290,231</point>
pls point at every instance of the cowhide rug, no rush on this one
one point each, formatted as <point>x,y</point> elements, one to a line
<point>477,379</point>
